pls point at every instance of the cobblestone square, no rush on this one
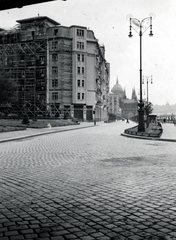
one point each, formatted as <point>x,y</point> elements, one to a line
<point>89,183</point>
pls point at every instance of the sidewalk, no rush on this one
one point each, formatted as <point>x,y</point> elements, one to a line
<point>169,131</point>
<point>32,132</point>
<point>169,134</point>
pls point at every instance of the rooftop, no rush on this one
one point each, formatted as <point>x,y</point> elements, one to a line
<point>38,18</point>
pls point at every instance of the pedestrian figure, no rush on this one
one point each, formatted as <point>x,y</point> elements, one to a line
<point>127,121</point>
<point>159,124</point>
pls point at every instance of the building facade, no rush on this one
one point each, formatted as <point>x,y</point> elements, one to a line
<point>117,93</point>
<point>60,71</point>
<point>130,106</point>
<point>122,106</point>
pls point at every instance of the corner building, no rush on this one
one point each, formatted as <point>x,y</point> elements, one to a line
<point>60,71</point>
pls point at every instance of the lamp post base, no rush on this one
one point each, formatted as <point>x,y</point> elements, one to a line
<point>141,126</point>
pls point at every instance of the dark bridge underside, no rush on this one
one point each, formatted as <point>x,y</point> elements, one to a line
<point>7,4</point>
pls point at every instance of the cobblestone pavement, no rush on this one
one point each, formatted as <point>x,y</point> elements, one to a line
<point>88,184</point>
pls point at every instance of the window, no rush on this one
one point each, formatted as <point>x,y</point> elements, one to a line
<point>79,70</point>
<point>78,95</point>
<point>54,70</point>
<point>80,45</point>
<point>54,45</point>
<point>82,83</point>
<point>82,95</point>
<point>42,72</point>
<point>80,32</point>
<point>55,32</point>
<point>54,95</point>
<point>42,59</point>
<point>33,34</point>
<point>78,83</point>
<point>22,58</point>
<point>54,82</point>
<point>23,74</point>
<point>78,57</point>
<point>54,57</point>
<point>42,85</point>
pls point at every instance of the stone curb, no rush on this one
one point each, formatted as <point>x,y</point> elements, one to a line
<point>148,138</point>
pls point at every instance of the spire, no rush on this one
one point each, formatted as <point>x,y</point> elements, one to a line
<point>124,96</point>
<point>117,80</point>
<point>134,96</point>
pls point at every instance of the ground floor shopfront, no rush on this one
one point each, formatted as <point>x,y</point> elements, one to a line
<point>89,113</point>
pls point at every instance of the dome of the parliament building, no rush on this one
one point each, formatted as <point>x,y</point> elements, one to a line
<point>117,89</point>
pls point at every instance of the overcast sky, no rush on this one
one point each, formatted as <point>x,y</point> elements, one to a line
<point>107,18</point>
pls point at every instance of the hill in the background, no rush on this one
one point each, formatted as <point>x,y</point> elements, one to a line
<point>164,109</point>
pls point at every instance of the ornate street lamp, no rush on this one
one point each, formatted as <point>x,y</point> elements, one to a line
<point>142,26</point>
<point>147,81</point>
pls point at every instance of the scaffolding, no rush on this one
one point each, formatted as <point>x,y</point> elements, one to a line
<point>24,59</point>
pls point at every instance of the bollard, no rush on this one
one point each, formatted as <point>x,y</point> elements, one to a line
<point>94,117</point>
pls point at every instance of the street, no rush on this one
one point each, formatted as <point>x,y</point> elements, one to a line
<point>88,184</point>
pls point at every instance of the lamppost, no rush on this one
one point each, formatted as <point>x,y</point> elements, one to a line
<point>147,106</point>
<point>147,81</point>
<point>142,25</point>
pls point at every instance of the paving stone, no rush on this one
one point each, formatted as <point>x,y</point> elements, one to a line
<point>9,223</point>
<point>57,238</point>
<point>81,234</point>
<point>172,234</point>
<point>3,229</point>
<point>165,230</point>
<point>44,235</point>
<point>104,238</point>
<point>57,228</point>
<point>17,237</point>
<point>118,229</point>
<point>59,233</point>
<point>70,236</point>
<point>85,182</point>
<point>27,231</point>
<point>11,233</point>
<point>87,238</point>
<point>43,238</point>
<point>31,236</point>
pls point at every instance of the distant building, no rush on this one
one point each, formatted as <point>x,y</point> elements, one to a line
<point>60,71</point>
<point>120,105</point>
<point>117,93</point>
<point>130,106</point>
